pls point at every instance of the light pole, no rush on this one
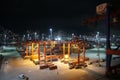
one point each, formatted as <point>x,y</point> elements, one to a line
<point>5,39</point>
<point>98,41</point>
<point>73,35</point>
<point>28,36</point>
<point>50,33</point>
<point>35,35</point>
<point>42,36</point>
<point>23,38</point>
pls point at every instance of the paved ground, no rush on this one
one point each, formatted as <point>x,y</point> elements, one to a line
<point>15,65</point>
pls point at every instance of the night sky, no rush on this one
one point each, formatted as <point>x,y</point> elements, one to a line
<point>40,15</point>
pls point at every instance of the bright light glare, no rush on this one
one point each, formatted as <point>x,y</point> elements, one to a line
<point>50,29</point>
<point>66,56</point>
<point>58,38</point>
